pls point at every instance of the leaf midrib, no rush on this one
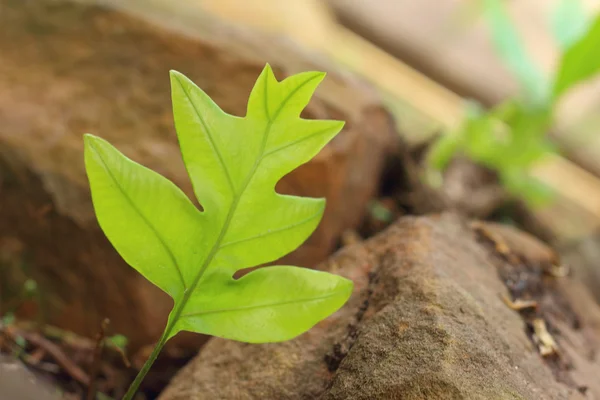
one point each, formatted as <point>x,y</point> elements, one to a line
<point>217,245</point>
<point>273,231</point>
<point>210,137</point>
<point>295,142</point>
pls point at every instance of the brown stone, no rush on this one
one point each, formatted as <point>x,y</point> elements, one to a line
<point>17,382</point>
<point>67,69</point>
<point>427,321</point>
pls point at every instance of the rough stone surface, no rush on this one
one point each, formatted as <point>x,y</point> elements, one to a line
<point>17,382</point>
<point>68,68</point>
<point>583,255</point>
<point>427,320</point>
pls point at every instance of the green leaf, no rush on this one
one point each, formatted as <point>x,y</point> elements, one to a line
<point>118,341</point>
<point>486,137</point>
<point>443,150</point>
<point>580,61</point>
<point>151,223</point>
<point>510,48</point>
<point>264,305</point>
<point>535,193</point>
<point>379,211</point>
<point>569,22</point>
<point>529,143</point>
<point>30,287</point>
<point>446,146</point>
<point>234,164</point>
<point>8,319</point>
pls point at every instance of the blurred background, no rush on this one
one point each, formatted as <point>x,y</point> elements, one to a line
<point>448,106</point>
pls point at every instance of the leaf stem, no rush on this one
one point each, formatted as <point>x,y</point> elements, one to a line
<point>133,388</point>
<point>173,318</point>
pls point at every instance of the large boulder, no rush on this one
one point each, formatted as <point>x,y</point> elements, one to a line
<point>427,320</point>
<point>70,68</point>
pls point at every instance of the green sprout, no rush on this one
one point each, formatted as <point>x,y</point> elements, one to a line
<point>512,137</point>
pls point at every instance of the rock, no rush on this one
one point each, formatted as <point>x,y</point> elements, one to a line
<point>472,190</point>
<point>427,320</point>
<point>17,382</point>
<point>583,254</point>
<point>70,68</point>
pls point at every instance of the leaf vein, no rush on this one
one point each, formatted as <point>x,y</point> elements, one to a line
<point>279,304</point>
<point>210,137</point>
<point>236,199</point>
<point>266,98</point>
<point>290,94</point>
<point>272,232</point>
<point>143,217</point>
<point>295,142</point>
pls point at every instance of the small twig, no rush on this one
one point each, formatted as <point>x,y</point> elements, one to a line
<point>124,358</point>
<point>53,333</point>
<point>36,356</point>
<point>559,270</point>
<point>350,237</point>
<point>40,365</point>
<point>544,340</point>
<point>72,340</point>
<point>98,349</point>
<point>519,304</point>
<point>54,351</point>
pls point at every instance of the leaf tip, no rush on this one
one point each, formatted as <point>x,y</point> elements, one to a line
<point>320,75</point>
<point>339,125</point>
<point>95,146</point>
<point>87,137</point>
<point>267,75</point>
<point>322,203</point>
<point>176,76</point>
<point>348,288</point>
<point>89,140</point>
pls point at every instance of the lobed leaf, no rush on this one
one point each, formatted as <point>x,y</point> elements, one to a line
<point>234,164</point>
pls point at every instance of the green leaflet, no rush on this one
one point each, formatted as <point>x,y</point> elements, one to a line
<point>568,22</point>
<point>510,48</point>
<point>443,150</point>
<point>234,164</point>
<point>580,61</point>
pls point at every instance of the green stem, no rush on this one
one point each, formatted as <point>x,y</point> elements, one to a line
<point>133,388</point>
<point>173,318</point>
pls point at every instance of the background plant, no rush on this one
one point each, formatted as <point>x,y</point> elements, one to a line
<point>512,136</point>
<point>192,255</point>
